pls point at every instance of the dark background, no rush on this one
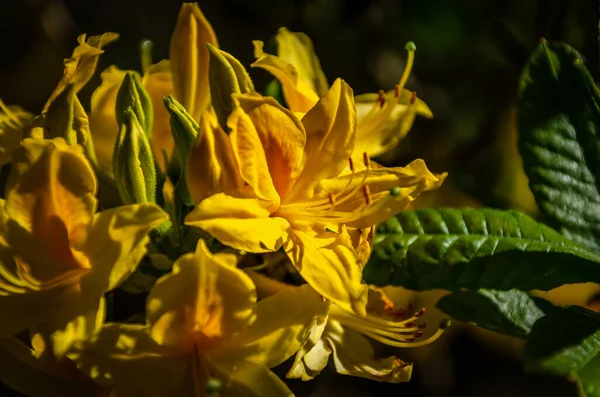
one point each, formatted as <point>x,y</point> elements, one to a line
<point>470,54</point>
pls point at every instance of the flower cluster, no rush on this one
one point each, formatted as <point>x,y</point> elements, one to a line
<point>245,220</point>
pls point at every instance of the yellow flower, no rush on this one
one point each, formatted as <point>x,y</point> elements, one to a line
<point>57,256</point>
<point>302,190</point>
<point>384,119</point>
<point>203,328</point>
<point>343,335</point>
<point>14,121</point>
<point>185,77</point>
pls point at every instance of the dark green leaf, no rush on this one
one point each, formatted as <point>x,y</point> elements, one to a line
<point>453,249</point>
<point>511,312</point>
<point>564,341</point>
<point>558,140</point>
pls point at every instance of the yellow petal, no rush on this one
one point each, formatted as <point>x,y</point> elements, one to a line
<point>51,195</point>
<point>277,332</point>
<point>190,59</point>
<point>22,371</point>
<point>82,64</point>
<point>328,262</point>
<point>211,167</point>
<point>381,128</point>
<point>330,134</point>
<point>80,311</point>
<point>205,301</point>
<point>117,243</point>
<point>298,94</point>
<point>353,355</point>
<point>239,222</point>
<point>159,83</point>
<point>297,49</point>
<point>14,121</point>
<point>408,182</point>
<point>250,380</point>
<point>282,136</point>
<point>103,120</point>
<point>250,155</point>
<point>124,357</point>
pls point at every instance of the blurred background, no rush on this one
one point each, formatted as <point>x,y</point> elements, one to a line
<point>469,57</point>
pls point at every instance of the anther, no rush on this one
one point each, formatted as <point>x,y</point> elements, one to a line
<point>420,312</point>
<point>381,98</point>
<point>413,98</point>
<point>423,325</point>
<point>351,164</point>
<point>411,324</point>
<point>366,159</point>
<point>367,194</point>
<point>418,334</point>
<point>409,340</point>
<point>396,90</point>
<point>332,199</point>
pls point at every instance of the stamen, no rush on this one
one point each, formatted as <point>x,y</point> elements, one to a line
<point>351,164</point>
<point>396,90</point>
<point>332,199</point>
<point>366,159</point>
<point>413,98</point>
<point>381,98</point>
<point>367,194</point>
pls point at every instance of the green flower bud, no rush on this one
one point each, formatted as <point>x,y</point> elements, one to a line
<point>133,162</point>
<point>66,118</point>
<point>226,76</point>
<point>132,94</point>
<point>183,128</point>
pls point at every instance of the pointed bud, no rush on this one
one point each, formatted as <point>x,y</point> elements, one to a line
<point>132,94</point>
<point>133,162</point>
<point>226,76</point>
<point>67,119</point>
<point>189,59</point>
<point>183,128</point>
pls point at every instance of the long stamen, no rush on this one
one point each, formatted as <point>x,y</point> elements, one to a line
<point>411,48</point>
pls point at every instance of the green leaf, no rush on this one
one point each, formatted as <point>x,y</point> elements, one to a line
<point>558,140</point>
<point>453,249</point>
<point>563,342</point>
<point>588,378</point>
<point>511,312</point>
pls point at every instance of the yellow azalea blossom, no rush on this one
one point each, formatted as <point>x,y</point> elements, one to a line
<point>57,255</point>
<point>185,77</point>
<point>202,324</point>
<point>384,118</point>
<point>343,335</point>
<point>302,191</point>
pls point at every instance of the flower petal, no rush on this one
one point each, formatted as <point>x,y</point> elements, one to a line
<point>410,181</point>
<point>250,155</point>
<point>330,134</point>
<point>251,380</point>
<point>118,240</point>
<point>103,120</point>
<point>277,332</point>
<point>328,262</point>
<point>353,355</point>
<point>297,49</point>
<point>14,121</point>
<point>381,128</point>
<point>211,167</point>
<point>124,357</point>
<point>82,64</point>
<point>50,201</point>
<point>22,371</point>
<point>190,59</point>
<point>299,95</point>
<point>158,83</point>
<point>239,222</point>
<point>204,301</point>
<point>282,136</point>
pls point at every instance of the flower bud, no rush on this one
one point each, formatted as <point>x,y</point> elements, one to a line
<point>132,94</point>
<point>183,128</point>
<point>67,119</point>
<point>133,162</point>
<point>226,76</point>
